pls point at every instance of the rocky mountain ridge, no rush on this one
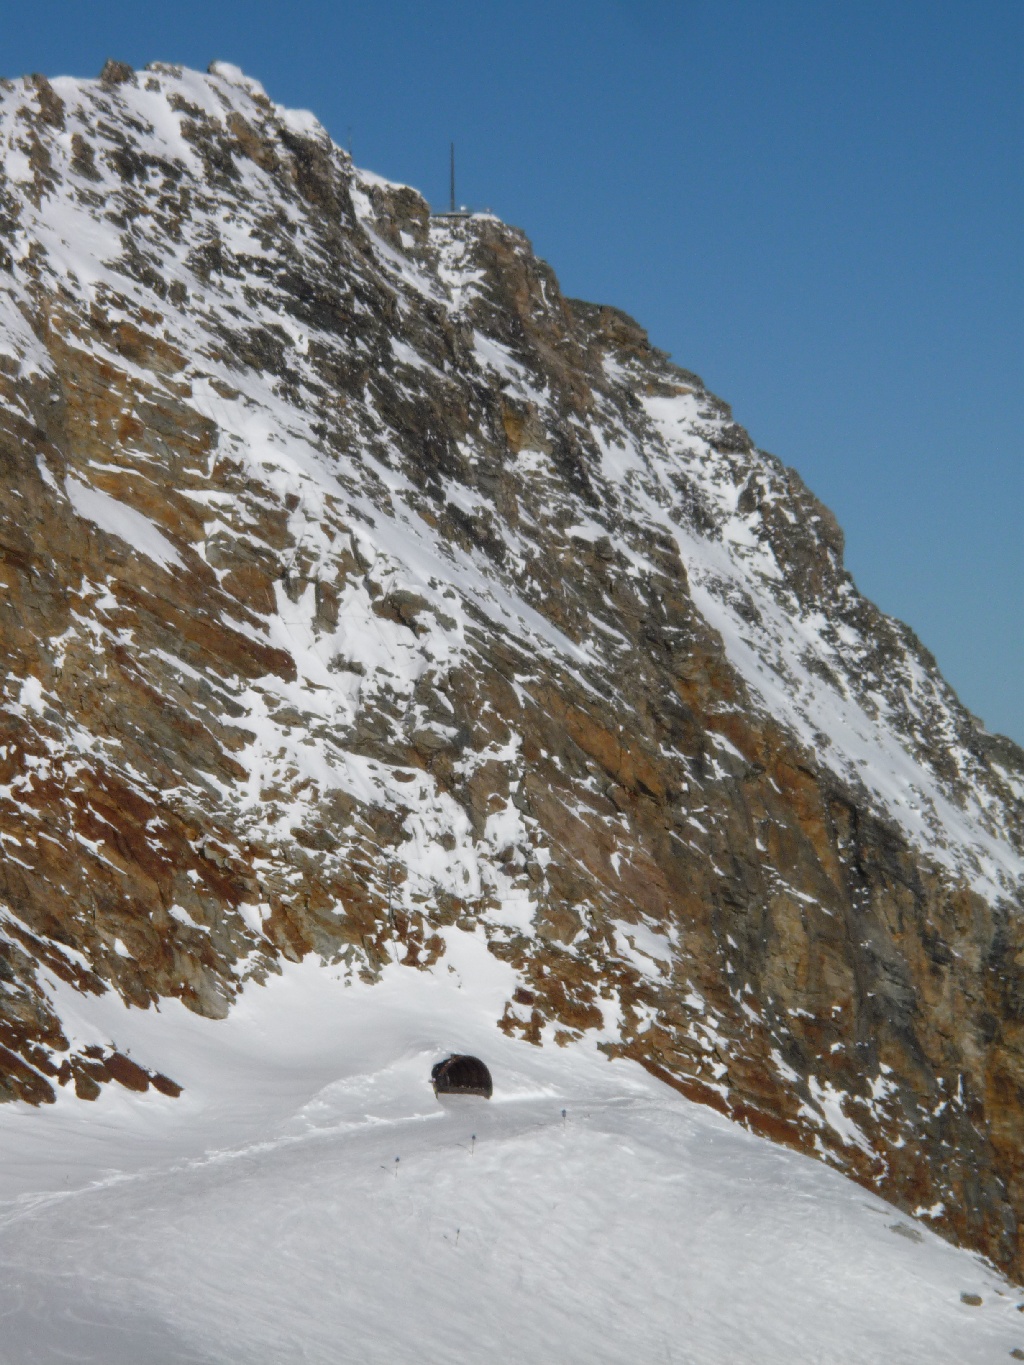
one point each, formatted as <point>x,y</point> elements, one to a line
<point>358,583</point>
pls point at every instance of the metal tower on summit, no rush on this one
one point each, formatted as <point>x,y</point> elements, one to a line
<point>453,211</point>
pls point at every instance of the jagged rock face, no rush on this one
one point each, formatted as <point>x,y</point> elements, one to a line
<point>357,583</point>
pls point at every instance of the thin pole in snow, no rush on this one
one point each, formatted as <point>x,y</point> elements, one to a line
<point>451,183</point>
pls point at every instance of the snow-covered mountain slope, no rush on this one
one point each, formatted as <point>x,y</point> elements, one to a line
<point>264,1216</point>
<point>358,586</point>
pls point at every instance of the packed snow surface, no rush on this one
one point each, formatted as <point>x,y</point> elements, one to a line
<point>308,1199</point>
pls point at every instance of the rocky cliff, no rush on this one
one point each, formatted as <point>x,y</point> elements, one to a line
<point>356,582</point>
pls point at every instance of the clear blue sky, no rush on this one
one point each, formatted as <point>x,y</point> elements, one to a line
<point>818,207</point>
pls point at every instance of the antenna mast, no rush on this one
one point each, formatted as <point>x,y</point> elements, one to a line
<point>452,180</point>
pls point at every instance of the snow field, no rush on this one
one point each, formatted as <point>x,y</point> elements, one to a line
<point>263,1216</point>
